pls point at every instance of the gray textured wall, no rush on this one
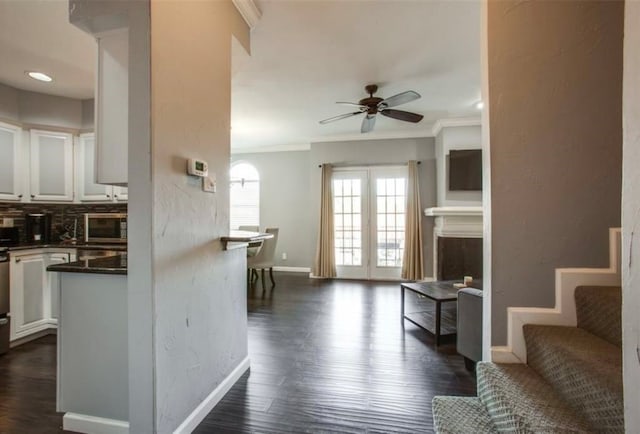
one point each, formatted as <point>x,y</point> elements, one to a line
<point>39,109</point>
<point>199,290</point>
<point>290,194</point>
<point>9,103</point>
<point>555,74</point>
<point>285,202</point>
<point>392,151</point>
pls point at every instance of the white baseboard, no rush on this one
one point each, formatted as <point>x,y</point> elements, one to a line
<point>292,269</point>
<point>94,425</point>
<point>49,330</point>
<point>203,409</point>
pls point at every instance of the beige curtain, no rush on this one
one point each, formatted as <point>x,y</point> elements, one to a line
<point>412,262</point>
<point>325,265</point>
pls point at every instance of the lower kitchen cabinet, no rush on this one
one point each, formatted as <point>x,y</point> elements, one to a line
<point>35,293</point>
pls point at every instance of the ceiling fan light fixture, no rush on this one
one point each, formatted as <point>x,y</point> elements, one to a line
<point>372,105</point>
<point>40,76</point>
<point>480,105</point>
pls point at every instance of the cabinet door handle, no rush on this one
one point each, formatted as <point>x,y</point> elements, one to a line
<point>18,260</point>
<point>4,321</point>
<point>115,196</point>
<point>108,196</point>
<point>19,196</point>
<point>33,196</point>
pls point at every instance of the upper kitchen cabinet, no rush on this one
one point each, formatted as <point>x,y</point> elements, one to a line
<point>88,189</point>
<point>10,185</point>
<point>112,108</point>
<point>51,166</point>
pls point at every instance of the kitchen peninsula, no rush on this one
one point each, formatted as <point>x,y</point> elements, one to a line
<point>93,374</point>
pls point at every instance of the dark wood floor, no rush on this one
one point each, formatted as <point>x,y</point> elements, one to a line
<point>325,357</point>
<point>334,357</point>
<point>28,389</point>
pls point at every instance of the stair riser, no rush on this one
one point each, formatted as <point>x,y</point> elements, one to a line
<point>599,311</point>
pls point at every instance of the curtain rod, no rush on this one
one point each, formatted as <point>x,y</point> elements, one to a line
<point>365,165</point>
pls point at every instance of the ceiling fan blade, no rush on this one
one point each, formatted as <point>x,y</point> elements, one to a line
<point>337,118</point>
<point>402,115</point>
<point>354,104</point>
<point>401,98</point>
<point>368,123</point>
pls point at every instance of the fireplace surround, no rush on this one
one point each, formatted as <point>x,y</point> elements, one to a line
<point>457,247</point>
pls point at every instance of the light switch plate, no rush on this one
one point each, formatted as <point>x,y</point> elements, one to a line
<point>208,185</point>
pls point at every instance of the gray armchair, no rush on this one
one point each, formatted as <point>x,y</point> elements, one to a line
<point>469,334</point>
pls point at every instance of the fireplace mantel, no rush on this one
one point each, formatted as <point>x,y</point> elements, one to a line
<point>457,221</point>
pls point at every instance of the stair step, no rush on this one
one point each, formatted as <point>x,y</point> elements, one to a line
<point>461,415</point>
<point>519,400</point>
<point>599,311</point>
<point>584,369</point>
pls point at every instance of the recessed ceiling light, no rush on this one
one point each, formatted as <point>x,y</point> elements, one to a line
<point>480,105</point>
<point>41,76</point>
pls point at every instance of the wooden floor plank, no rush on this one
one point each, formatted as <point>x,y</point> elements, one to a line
<point>334,356</point>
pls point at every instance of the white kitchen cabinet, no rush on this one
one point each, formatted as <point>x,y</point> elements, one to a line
<point>112,108</point>
<point>88,189</point>
<point>10,180</point>
<point>34,292</point>
<point>121,194</point>
<point>28,281</point>
<point>51,166</point>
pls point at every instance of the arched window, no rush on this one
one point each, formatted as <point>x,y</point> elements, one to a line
<point>245,195</point>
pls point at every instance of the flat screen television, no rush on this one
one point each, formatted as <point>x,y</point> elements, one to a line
<point>465,170</point>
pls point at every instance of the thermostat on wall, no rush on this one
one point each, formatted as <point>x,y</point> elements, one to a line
<point>197,167</point>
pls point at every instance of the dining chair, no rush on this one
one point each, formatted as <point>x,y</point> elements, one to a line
<point>265,259</point>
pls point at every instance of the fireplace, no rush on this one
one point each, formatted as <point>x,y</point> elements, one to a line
<point>458,242</point>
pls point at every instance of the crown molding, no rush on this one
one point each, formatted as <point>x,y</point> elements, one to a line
<point>275,148</point>
<point>454,122</point>
<point>375,136</point>
<point>249,11</point>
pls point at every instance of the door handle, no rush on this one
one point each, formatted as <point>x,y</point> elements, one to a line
<point>18,260</point>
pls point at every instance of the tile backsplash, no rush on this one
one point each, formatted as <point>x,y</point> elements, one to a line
<point>63,215</point>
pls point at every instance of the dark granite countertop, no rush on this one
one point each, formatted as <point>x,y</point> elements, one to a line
<point>28,246</point>
<point>109,265</point>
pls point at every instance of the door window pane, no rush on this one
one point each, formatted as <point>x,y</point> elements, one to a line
<point>390,199</point>
<point>348,221</point>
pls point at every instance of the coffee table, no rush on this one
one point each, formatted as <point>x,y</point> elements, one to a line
<point>439,292</point>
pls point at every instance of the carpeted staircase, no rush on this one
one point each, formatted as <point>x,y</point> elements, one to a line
<point>572,382</point>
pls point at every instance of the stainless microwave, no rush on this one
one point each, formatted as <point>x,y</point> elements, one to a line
<point>105,228</point>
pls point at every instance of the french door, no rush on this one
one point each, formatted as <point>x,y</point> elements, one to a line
<point>369,221</point>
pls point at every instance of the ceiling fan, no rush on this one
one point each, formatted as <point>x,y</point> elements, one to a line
<point>373,105</point>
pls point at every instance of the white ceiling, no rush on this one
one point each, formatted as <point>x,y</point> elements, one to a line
<point>306,55</point>
<point>35,35</point>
